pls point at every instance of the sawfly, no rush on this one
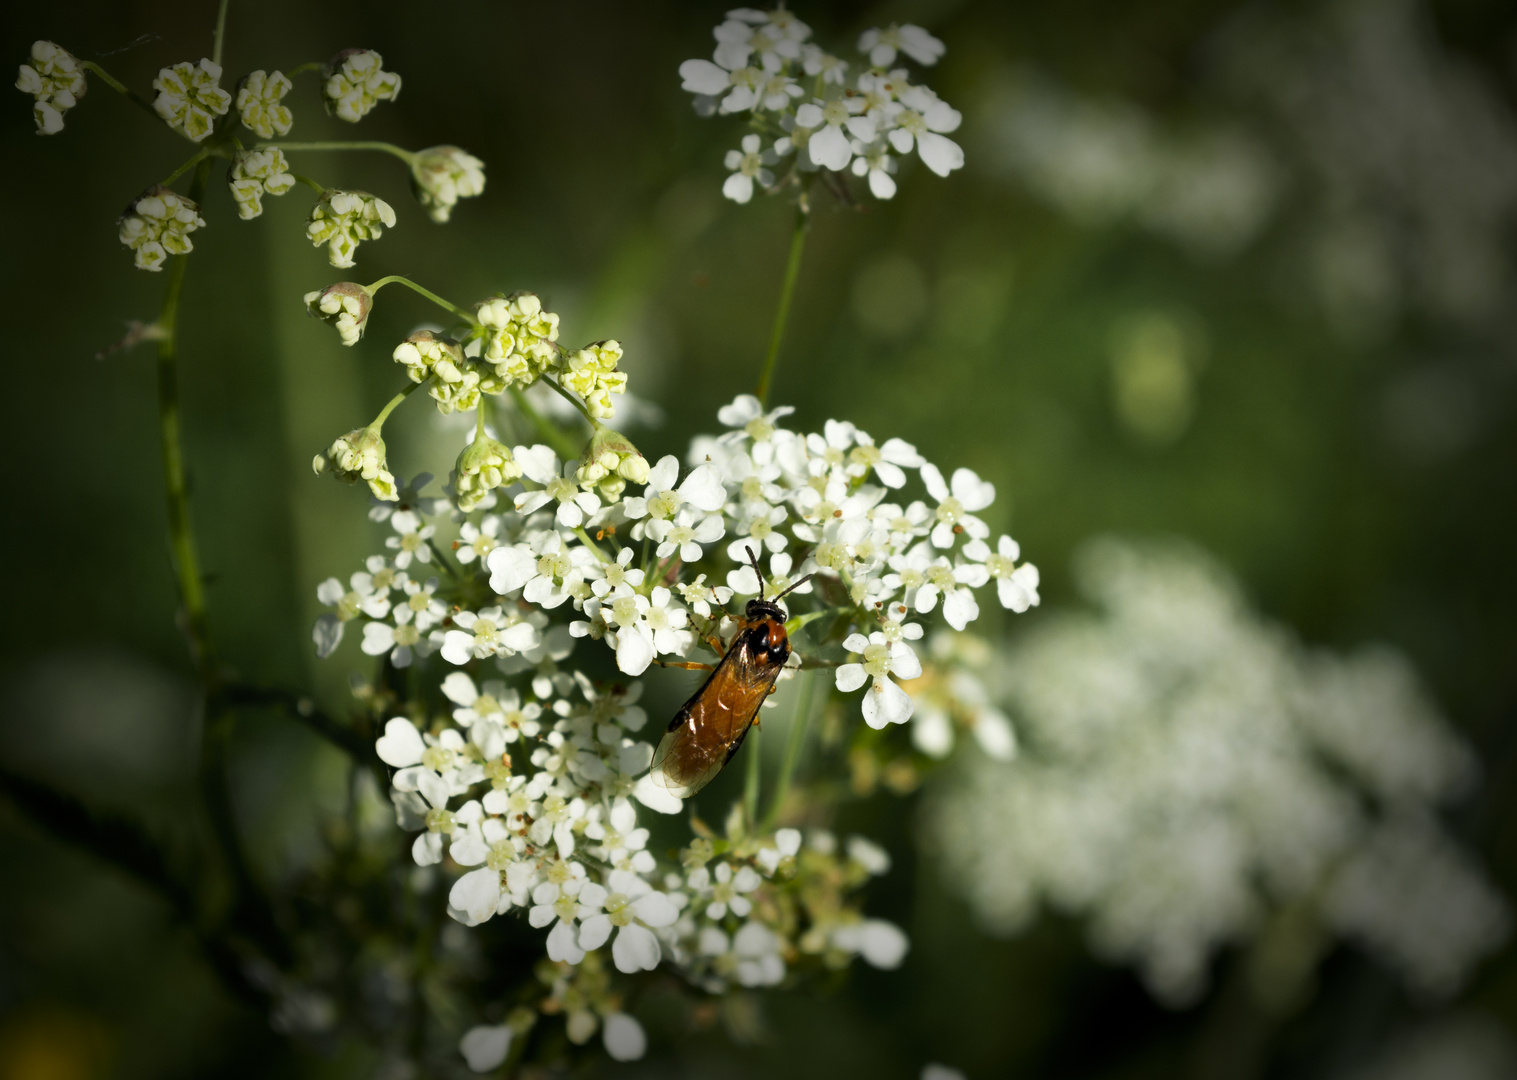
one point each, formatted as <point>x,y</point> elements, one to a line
<point>709,728</point>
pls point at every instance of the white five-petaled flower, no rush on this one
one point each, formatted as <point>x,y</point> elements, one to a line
<point>630,909</point>
<point>411,539</point>
<point>957,503</point>
<point>881,45</point>
<point>486,633</point>
<point>402,639</point>
<point>747,165</point>
<point>924,121</point>
<point>885,702</point>
<point>645,625</point>
<point>832,122</point>
<point>539,464</point>
<point>1017,586</point>
<point>190,98</point>
<point>925,578</point>
<point>661,499</point>
<point>260,104</point>
<point>567,896</point>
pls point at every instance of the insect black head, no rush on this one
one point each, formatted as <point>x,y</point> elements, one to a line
<point>764,609</point>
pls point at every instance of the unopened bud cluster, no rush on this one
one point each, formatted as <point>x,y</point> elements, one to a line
<point>455,381</point>
<point>342,219</point>
<point>515,339</point>
<point>190,98</point>
<point>484,465</point>
<point>356,82</point>
<point>443,175</point>
<point>56,82</point>
<point>609,462</point>
<point>254,173</point>
<point>344,306</point>
<point>359,455</point>
<point>158,224</point>
<point>260,104</point>
<point>591,373</point>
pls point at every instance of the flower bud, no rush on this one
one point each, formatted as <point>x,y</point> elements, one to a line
<point>260,103</point>
<point>55,79</point>
<point>591,373</point>
<point>455,381</point>
<point>254,173</point>
<point>609,461</point>
<point>341,219</point>
<point>359,455</point>
<point>355,82</point>
<point>190,98</point>
<point>442,175</point>
<point>158,224</point>
<point>484,465</point>
<point>345,306</point>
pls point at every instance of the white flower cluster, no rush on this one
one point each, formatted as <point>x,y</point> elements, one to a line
<point>190,98</point>
<point>355,82</point>
<point>55,79</point>
<point>443,175</point>
<point>158,224</point>
<point>342,219</point>
<point>260,104</point>
<point>255,173</point>
<point>1188,771</point>
<point>531,787</point>
<point>812,111</point>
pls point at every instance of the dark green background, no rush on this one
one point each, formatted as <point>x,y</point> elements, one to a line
<point>604,197</point>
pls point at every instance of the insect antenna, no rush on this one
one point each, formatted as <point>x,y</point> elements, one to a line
<point>756,571</point>
<point>792,588</point>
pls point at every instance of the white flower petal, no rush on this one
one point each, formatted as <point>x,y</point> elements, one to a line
<point>484,1048</point>
<point>401,744</point>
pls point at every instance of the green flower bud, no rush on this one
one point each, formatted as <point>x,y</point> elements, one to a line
<point>359,455</point>
<point>442,175</point>
<point>609,461</point>
<point>484,465</point>
<point>344,306</point>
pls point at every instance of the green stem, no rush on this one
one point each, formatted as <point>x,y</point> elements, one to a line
<point>787,292</point>
<point>571,399</point>
<point>800,721</point>
<point>315,185</point>
<point>204,153</point>
<point>557,439</point>
<point>383,147</point>
<point>219,39</point>
<point>384,414</point>
<point>122,89</point>
<point>186,556</point>
<point>579,531</point>
<point>301,69</point>
<point>753,780</point>
<point>400,279</point>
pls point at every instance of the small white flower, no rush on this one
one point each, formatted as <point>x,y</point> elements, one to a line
<point>831,123</point>
<point>539,464</point>
<point>881,45</point>
<point>624,1037</point>
<point>957,504</point>
<point>356,82</point>
<point>883,944</point>
<point>722,890</point>
<point>260,104</point>
<point>922,122</point>
<point>885,702</point>
<point>747,165</point>
<point>562,903</point>
<point>758,950</point>
<point>874,161</point>
<point>411,539</point>
<point>686,533</point>
<point>190,98</point>
<point>486,633</point>
<point>401,639</point>
<point>1017,586</point>
<point>787,842</point>
<point>485,1047</point>
<point>343,219</point>
<point>701,596</point>
<point>477,541</point>
<point>661,499</point>
<point>629,909</point>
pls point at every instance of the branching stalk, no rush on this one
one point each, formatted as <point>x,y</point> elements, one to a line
<point>787,293</point>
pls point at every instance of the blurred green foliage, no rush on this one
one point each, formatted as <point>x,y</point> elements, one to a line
<point>966,316</point>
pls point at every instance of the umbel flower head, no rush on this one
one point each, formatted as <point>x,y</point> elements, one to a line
<point>344,306</point>
<point>356,82</point>
<point>158,224</point>
<point>591,373</point>
<point>484,465</point>
<point>442,175</point>
<point>255,172</point>
<point>822,115</point>
<point>342,219</point>
<point>56,82</point>
<point>359,455</point>
<point>259,104</point>
<point>515,340</point>
<point>190,98</point>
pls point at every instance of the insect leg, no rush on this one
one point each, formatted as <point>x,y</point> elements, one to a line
<point>686,666</point>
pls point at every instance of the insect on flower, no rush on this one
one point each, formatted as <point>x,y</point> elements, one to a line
<point>709,728</point>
